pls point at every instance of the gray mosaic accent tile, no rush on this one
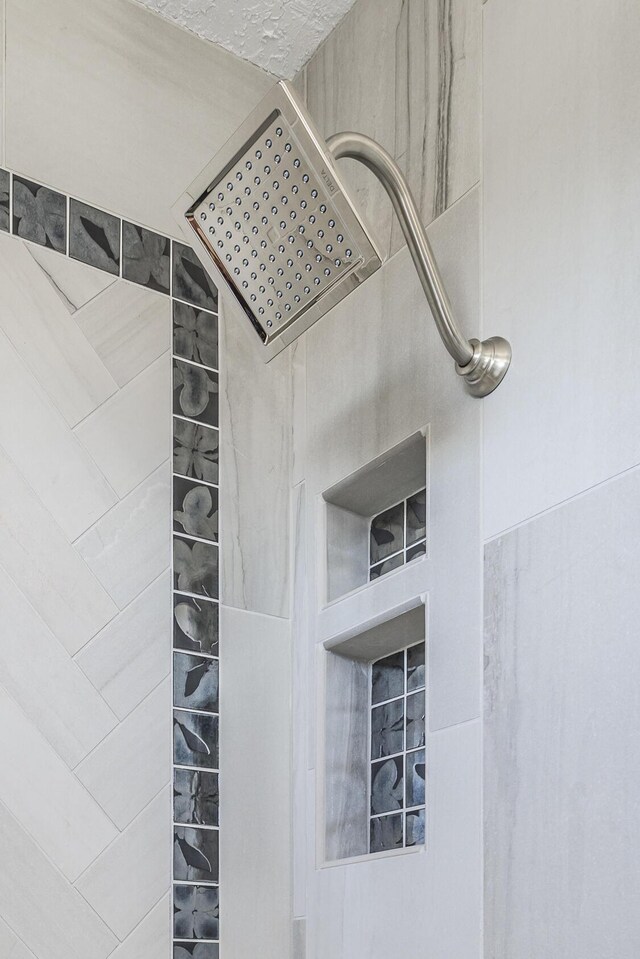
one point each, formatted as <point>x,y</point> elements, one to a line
<point>416,517</point>
<point>386,567</point>
<point>195,854</point>
<point>5,187</point>
<point>415,720</point>
<point>195,624</point>
<point>195,393</point>
<point>387,678</point>
<point>387,786</point>
<point>415,828</point>
<point>415,778</point>
<point>190,280</point>
<point>195,451</point>
<point>195,797</point>
<point>416,552</point>
<point>387,533</point>
<point>195,567</point>
<point>416,667</point>
<point>195,912</point>
<point>94,237</point>
<point>195,739</point>
<point>146,258</point>
<point>196,950</point>
<point>195,509</point>
<point>195,682</point>
<point>387,729</point>
<point>195,335</point>
<point>39,214</point>
<point>386,833</point>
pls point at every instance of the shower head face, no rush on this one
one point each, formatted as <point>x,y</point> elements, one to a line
<point>271,218</point>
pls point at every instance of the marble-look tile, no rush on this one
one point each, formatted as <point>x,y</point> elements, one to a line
<point>196,910</point>
<point>195,508</point>
<point>76,284</point>
<point>94,237</point>
<point>44,335</point>
<point>561,719</point>
<point>254,428</point>
<point>195,624</point>
<point>5,187</point>
<point>40,790</point>
<point>190,281</point>
<point>126,437</point>
<point>195,567</point>
<point>406,73</point>
<point>39,214</point>
<point>195,393</point>
<point>140,859</point>
<point>195,451</point>
<point>195,335</point>
<point>563,207</point>
<point>45,567</point>
<point>132,764</point>
<point>128,328</point>
<point>30,884</point>
<point>255,837</point>
<point>146,258</point>
<point>149,939</point>
<point>52,691</point>
<point>130,656</point>
<point>195,854</point>
<point>195,739</point>
<point>129,547</point>
<point>49,456</point>
<point>7,939</point>
<point>195,682</point>
<point>127,101</point>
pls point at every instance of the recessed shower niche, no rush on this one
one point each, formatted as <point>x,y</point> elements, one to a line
<point>374,739</point>
<point>377,518</point>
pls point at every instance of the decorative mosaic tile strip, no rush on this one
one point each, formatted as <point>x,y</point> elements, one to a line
<point>398,535</point>
<point>38,214</point>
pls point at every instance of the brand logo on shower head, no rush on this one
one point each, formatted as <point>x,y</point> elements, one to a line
<point>328,181</point>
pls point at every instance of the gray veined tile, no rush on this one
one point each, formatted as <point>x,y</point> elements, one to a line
<point>133,763</point>
<point>195,682</point>
<point>39,214</point>
<point>140,859</point>
<point>5,186</point>
<point>195,509</point>
<point>127,437</point>
<point>149,939</point>
<point>195,854</point>
<point>195,567</point>
<point>130,656</point>
<point>44,795</point>
<point>196,624</point>
<point>196,912</point>
<point>94,237</point>
<point>195,451</point>
<point>49,687</point>
<point>129,547</point>
<point>196,799</point>
<point>195,393</point>
<point>7,939</point>
<point>190,281</point>
<point>195,335</point>
<point>76,284</point>
<point>146,258</point>
<point>43,333</point>
<point>28,878</point>
<point>129,327</point>
<point>45,567</point>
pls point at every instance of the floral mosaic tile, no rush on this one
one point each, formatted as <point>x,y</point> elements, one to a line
<point>387,533</point>
<point>195,509</point>
<point>195,567</point>
<point>415,775</point>
<point>195,739</point>
<point>195,451</point>
<point>415,720</point>
<point>386,833</point>
<point>196,950</point>
<point>195,335</point>
<point>416,667</point>
<point>195,624</point>
<point>94,237</point>
<point>387,785</point>
<point>386,567</point>
<point>387,729</point>
<point>398,533</point>
<point>195,393</point>
<point>146,258</point>
<point>195,854</point>
<point>195,797</point>
<point>387,678</point>
<point>190,280</point>
<point>416,517</point>
<point>415,828</point>
<point>195,912</point>
<point>195,682</point>
<point>39,214</point>
<point>5,187</point>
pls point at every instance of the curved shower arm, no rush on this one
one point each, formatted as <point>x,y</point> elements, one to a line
<point>481,364</point>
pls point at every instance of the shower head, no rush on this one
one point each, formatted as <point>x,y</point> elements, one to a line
<point>271,218</point>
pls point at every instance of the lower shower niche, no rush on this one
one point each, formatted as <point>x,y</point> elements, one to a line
<point>375,739</point>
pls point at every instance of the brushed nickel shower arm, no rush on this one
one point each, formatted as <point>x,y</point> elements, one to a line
<point>482,365</point>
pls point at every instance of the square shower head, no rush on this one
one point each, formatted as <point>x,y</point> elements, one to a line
<point>270,216</point>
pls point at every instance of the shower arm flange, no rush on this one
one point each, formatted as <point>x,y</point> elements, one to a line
<point>482,365</point>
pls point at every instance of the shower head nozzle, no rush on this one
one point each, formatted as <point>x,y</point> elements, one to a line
<point>270,216</point>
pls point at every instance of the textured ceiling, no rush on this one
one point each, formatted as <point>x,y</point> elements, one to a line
<point>277,35</point>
